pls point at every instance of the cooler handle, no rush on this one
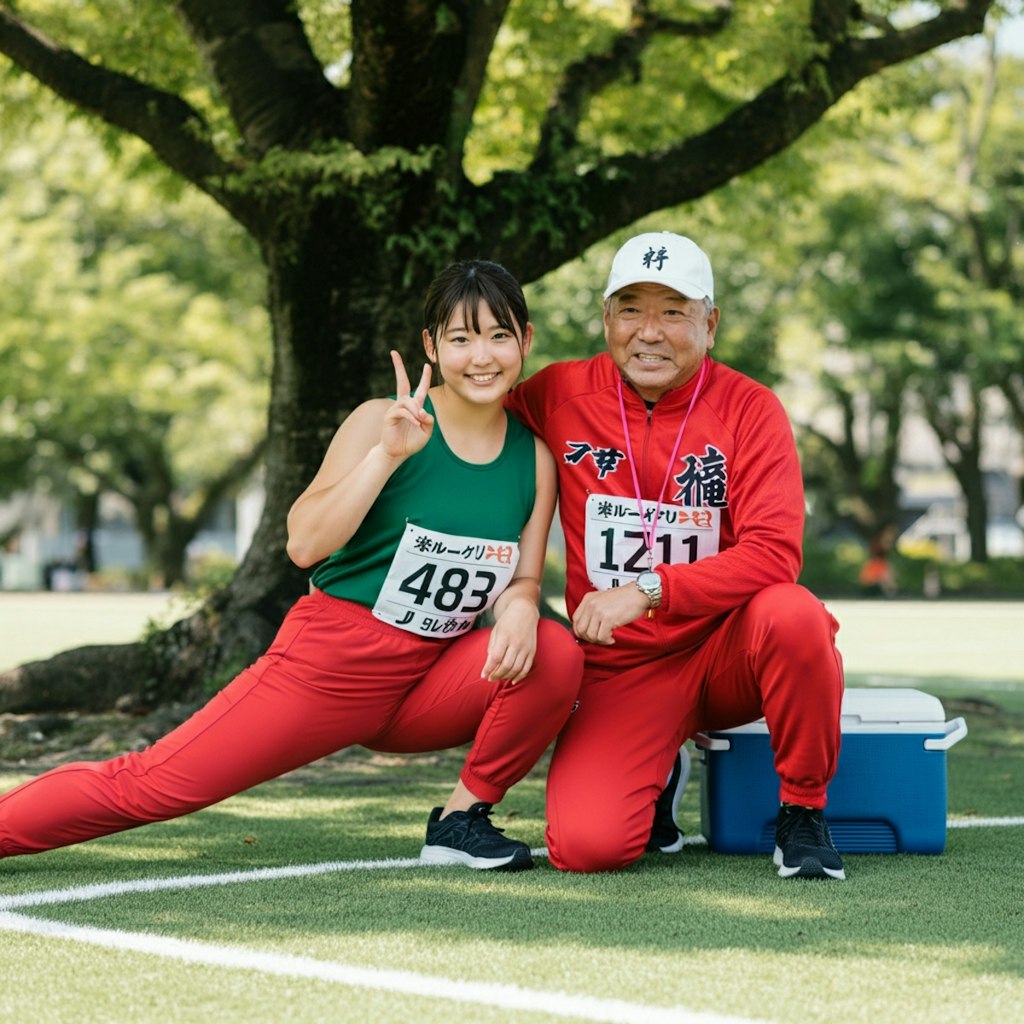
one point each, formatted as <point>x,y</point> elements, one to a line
<point>703,740</point>
<point>955,731</point>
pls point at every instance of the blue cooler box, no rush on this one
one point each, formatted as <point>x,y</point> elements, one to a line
<point>888,794</point>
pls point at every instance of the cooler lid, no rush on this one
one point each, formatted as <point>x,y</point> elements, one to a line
<point>891,705</point>
<point>876,709</point>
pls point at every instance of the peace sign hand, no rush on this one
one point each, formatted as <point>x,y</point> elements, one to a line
<point>407,425</point>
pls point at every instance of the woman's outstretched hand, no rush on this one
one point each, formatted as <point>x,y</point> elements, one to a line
<point>407,425</point>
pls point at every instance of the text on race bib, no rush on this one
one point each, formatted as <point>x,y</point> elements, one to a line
<point>439,583</point>
<point>616,550</point>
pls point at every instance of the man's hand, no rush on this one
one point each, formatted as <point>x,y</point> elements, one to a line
<point>602,611</point>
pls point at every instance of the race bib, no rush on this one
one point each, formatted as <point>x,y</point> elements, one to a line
<point>615,547</point>
<point>439,583</point>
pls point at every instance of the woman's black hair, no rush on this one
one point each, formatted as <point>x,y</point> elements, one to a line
<point>463,285</point>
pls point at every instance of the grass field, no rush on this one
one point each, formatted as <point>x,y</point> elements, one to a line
<point>302,901</point>
<point>974,640</point>
<point>36,625</point>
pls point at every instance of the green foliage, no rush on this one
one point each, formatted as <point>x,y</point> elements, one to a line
<point>668,85</point>
<point>331,169</point>
<point>150,43</point>
<point>906,280</point>
<point>329,28</point>
<point>998,577</point>
<point>133,344</point>
<point>535,43</point>
<point>150,40</point>
<point>566,306</point>
<point>712,77</point>
<point>209,573</point>
<point>831,569</point>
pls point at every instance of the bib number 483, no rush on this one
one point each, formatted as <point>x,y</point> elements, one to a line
<point>451,589</point>
<point>439,583</point>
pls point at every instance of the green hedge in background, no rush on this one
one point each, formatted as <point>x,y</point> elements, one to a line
<point>831,570</point>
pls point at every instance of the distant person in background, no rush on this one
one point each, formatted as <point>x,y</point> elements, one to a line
<point>876,577</point>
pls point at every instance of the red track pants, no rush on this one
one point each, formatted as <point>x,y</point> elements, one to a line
<point>774,656</point>
<point>334,676</point>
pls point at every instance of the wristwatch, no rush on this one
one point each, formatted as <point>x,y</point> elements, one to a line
<point>649,583</point>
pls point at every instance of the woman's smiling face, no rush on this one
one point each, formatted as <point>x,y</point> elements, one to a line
<point>478,357</point>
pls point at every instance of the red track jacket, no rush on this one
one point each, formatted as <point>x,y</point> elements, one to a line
<point>737,460</point>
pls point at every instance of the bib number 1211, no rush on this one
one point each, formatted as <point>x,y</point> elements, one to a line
<point>637,561</point>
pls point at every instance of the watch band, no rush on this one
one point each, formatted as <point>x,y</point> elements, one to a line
<point>649,584</point>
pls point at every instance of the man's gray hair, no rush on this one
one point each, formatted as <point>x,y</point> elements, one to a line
<point>706,302</point>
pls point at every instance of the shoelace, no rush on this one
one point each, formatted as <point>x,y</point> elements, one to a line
<point>482,816</point>
<point>808,829</point>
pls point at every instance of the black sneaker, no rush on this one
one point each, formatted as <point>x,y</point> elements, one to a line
<point>803,844</point>
<point>666,835</point>
<point>468,837</point>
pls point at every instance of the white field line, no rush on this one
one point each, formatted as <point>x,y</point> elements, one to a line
<point>98,891</point>
<point>496,994</point>
<point>982,822</point>
<point>503,996</point>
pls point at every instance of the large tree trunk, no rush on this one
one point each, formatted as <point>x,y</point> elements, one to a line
<point>85,679</point>
<point>336,309</point>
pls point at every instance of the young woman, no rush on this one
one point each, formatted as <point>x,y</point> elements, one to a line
<point>428,509</point>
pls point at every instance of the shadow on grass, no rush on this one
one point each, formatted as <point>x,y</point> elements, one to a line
<point>965,905</point>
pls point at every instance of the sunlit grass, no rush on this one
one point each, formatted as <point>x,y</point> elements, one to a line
<point>906,939</point>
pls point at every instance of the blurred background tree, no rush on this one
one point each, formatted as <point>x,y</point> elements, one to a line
<point>134,344</point>
<point>917,268</point>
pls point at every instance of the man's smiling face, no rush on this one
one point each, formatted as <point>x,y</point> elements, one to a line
<point>657,337</point>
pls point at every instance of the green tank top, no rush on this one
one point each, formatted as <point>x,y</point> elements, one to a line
<point>437,490</point>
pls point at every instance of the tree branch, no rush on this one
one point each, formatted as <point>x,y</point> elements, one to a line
<point>272,81</point>
<point>829,442</point>
<point>623,189</point>
<point>586,77</point>
<point>176,131</point>
<point>482,21</point>
<point>1012,388</point>
<point>235,474</point>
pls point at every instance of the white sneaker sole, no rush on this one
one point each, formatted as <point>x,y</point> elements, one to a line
<point>446,855</point>
<point>816,868</point>
<point>673,847</point>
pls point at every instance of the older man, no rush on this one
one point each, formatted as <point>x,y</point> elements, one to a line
<point>682,504</point>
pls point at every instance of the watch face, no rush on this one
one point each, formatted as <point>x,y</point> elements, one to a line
<point>648,579</point>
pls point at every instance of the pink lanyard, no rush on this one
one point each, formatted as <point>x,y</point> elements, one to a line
<point>649,538</point>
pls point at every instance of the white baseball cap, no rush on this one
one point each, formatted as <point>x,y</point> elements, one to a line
<point>661,257</point>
